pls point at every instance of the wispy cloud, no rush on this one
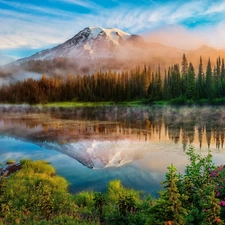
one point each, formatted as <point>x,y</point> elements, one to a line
<point>185,11</point>
<point>34,26</point>
<point>215,8</point>
<point>86,3</point>
<point>30,8</point>
<point>34,32</point>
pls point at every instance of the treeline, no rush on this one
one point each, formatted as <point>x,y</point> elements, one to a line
<point>177,81</point>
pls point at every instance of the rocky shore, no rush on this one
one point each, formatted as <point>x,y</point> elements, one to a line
<point>9,168</point>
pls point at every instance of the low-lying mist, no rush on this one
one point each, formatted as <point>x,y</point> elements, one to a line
<point>139,52</point>
<point>19,76</point>
<point>202,127</point>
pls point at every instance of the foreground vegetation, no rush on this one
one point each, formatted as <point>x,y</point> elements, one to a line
<point>36,195</point>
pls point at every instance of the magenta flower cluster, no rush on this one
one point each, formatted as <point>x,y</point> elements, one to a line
<point>218,175</point>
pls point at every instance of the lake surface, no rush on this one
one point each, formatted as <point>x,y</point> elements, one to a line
<point>90,146</point>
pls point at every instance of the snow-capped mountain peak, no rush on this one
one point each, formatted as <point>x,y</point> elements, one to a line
<point>97,33</point>
<point>89,43</point>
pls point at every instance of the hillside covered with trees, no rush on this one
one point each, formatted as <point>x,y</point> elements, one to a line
<point>181,82</point>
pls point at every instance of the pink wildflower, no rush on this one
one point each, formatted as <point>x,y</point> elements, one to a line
<point>223,203</point>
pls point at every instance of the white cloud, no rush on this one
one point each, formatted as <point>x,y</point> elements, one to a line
<point>33,34</point>
<point>35,9</point>
<point>56,26</point>
<point>184,11</point>
<point>215,8</point>
<point>86,3</point>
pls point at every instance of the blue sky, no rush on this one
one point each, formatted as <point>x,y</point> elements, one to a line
<point>29,26</point>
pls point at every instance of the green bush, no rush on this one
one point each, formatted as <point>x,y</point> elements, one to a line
<point>36,195</point>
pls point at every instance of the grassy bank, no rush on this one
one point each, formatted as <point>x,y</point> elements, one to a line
<point>90,104</point>
<point>140,102</point>
<point>146,102</point>
<point>187,102</point>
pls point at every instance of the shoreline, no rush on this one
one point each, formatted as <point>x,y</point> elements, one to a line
<point>9,169</point>
<point>137,103</point>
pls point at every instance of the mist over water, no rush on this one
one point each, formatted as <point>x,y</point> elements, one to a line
<point>134,144</point>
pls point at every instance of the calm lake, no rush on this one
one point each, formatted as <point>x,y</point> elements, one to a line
<point>90,146</point>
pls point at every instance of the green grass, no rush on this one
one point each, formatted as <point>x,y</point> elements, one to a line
<point>89,104</point>
<point>131,103</point>
<point>186,102</point>
<point>75,104</point>
<point>140,102</point>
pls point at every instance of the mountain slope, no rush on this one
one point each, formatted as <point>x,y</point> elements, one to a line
<point>90,43</point>
<point>95,48</point>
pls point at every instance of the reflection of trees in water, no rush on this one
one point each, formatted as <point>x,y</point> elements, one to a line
<point>208,129</point>
<point>207,123</point>
<point>184,125</point>
<point>200,135</point>
<point>215,131</point>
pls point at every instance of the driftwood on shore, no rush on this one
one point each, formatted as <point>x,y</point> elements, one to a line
<point>9,169</point>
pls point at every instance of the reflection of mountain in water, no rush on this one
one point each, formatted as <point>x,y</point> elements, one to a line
<point>101,154</point>
<point>106,136</point>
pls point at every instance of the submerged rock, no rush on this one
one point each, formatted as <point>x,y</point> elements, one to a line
<point>9,169</point>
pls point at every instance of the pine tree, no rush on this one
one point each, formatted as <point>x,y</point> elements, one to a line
<point>169,207</point>
<point>175,82</point>
<point>217,79</point>
<point>166,87</point>
<point>191,88</point>
<point>212,208</point>
<point>159,85</point>
<point>184,74</point>
<point>209,81</point>
<point>223,78</point>
<point>151,88</point>
<point>200,80</point>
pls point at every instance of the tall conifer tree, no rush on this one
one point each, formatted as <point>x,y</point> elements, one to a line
<point>191,90</point>
<point>200,80</point>
<point>184,73</point>
<point>209,81</point>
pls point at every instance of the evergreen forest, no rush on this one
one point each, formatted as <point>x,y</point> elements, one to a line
<point>181,83</point>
